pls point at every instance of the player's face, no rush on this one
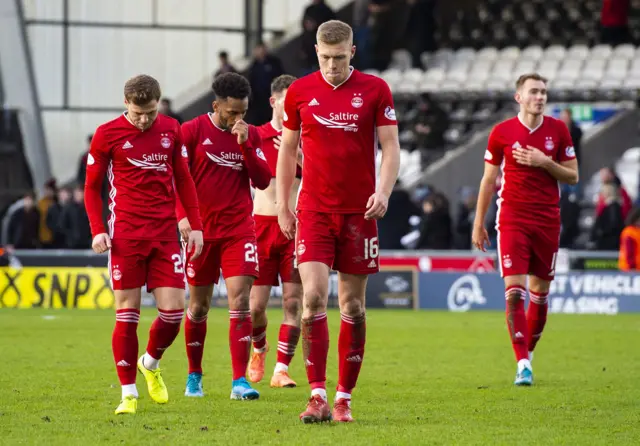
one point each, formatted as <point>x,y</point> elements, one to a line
<point>277,103</point>
<point>532,97</point>
<point>142,116</point>
<point>230,111</point>
<point>335,59</point>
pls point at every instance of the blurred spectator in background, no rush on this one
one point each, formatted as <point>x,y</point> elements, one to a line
<point>48,199</point>
<point>429,127</point>
<point>421,27</point>
<point>629,259</point>
<point>225,65</point>
<point>435,227</point>
<point>605,233</point>
<point>569,216</point>
<point>314,15</point>
<point>614,22</point>
<point>492,215</point>
<point>382,32</point>
<point>608,176</point>
<point>395,223</point>
<point>361,34</point>
<point>566,116</point>
<point>54,218</point>
<point>75,223</point>
<point>82,164</point>
<point>165,109</point>
<point>465,217</point>
<point>24,225</point>
<point>263,70</point>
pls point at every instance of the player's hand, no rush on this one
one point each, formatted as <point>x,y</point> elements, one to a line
<point>195,244</point>
<point>376,206</point>
<point>277,141</point>
<point>185,229</point>
<point>530,156</point>
<point>101,243</point>
<point>480,238</point>
<point>241,129</point>
<point>287,222</point>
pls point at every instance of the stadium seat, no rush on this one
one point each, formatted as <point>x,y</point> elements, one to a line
<point>401,60</point>
<point>600,52</point>
<point>554,53</point>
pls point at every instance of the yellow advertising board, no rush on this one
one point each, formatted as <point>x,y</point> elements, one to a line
<point>47,287</point>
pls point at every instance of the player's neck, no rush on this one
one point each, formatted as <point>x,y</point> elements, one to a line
<point>276,123</point>
<point>529,120</point>
<point>215,119</point>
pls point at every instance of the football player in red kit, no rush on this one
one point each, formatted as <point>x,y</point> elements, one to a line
<point>225,156</point>
<point>276,256</point>
<point>536,154</point>
<point>141,152</point>
<point>340,114</point>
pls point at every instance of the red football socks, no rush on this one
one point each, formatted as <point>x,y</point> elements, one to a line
<point>124,344</point>
<point>536,317</point>
<point>195,332</point>
<point>288,338</point>
<point>517,321</point>
<point>239,341</point>
<point>353,331</point>
<point>163,332</point>
<point>315,347</point>
<point>259,337</point>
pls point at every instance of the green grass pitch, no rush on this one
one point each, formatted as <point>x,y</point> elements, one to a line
<point>428,378</point>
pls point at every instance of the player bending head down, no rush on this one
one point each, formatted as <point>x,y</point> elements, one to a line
<point>341,115</point>
<point>535,153</point>
<point>141,96</point>
<point>232,98</point>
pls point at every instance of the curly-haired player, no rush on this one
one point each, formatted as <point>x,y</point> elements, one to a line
<point>224,158</point>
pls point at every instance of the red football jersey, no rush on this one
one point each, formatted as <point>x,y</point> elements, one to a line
<point>141,167</point>
<point>268,133</point>
<point>222,171</point>
<point>528,195</point>
<point>338,131</point>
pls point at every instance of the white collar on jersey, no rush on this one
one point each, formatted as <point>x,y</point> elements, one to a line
<point>529,128</point>
<point>279,130</point>
<point>213,122</point>
<point>336,86</point>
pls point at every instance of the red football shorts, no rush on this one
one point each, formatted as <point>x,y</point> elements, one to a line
<point>345,242</point>
<point>528,250</point>
<point>133,263</point>
<point>276,254</point>
<point>237,256</point>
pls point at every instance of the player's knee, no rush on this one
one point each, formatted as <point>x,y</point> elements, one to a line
<point>314,301</point>
<point>352,307</point>
<point>292,305</point>
<point>239,300</point>
<point>199,309</point>
<point>258,308</point>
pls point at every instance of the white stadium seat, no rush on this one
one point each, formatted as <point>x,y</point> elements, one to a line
<point>392,75</point>
<point>624,51</point>
<point>579,52</point>
<point>488,53</point>
<point>510,53</point>
<point>554,52</point>
<point>548,68</point>
<point>465,54</point>
<point>412,75</point>
<point>532,53</point>
<point>601,51</point>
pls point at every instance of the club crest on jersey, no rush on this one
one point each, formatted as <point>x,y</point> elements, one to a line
<point>357,101</point>
<point>165,142</point>
<point>548,143</point>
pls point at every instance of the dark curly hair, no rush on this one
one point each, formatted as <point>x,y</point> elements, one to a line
<point>231,85</point>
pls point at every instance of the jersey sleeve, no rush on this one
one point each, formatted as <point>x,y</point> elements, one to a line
<point>566,151</point>
<point>495,149</point>
<point>291,118</point>
<point>184,185</point>
<point>256,162</point>
<point>97,161</point>
<point>188,142</point>
<point>385,112</point>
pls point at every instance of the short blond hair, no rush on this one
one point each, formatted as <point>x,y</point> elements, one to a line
<point>533,76</point>
<point>334,32</point>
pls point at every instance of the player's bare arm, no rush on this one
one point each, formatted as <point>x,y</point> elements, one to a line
<point>285,174</point>
<point>277,141</point>
<point>565,172</point>
<point>379,201</point>
<point>97,162</point>
<point>480,237</point>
